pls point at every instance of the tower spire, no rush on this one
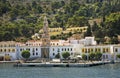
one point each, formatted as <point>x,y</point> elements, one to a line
<point>45,40</point>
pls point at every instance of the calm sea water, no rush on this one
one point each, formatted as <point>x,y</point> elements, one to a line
<point>103,71</point>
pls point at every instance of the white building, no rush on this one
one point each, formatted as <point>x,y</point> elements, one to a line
<point>106,50</point>
<point>88,41</point>
<point>54,50</point>
<point>7,50</point>
<point>13,50</point>
<point>35,51</point>
<point>116,51</point>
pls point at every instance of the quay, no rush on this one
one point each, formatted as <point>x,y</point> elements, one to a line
<point>48,64</point>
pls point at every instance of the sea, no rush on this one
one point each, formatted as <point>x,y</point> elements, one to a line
<point>7,70</point>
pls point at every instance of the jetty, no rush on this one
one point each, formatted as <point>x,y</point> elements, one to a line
<point>48,64</point>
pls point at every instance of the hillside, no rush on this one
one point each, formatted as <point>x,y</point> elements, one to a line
<point>20,19</point>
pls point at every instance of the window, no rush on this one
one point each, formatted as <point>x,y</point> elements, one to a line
<point>91,50</point>
<point>28,49</point>
<point>95,49</point>
<point>1,50</point>
<point>65,49</point>
<point>116,50</point>
<point>53,54</point>
<point>53,49</point>
<point>99,49</point>
<point>106,49</point>
<point>83,50</point>
<point>36,49</point>
<point>36,53</point>
<point>71,53</point>
<point>62,49</point>
<point>88,50</point>
<point>4,50</point>
<point>68,49</point>
<point>84,29</point>
<point>33,53</point>
<point>106,56</point>
<point>21,49</point>
<point>103,50</point>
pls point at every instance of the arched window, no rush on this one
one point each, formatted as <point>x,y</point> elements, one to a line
<point>4,50</point>
<point>91,50</point>
<point>68,49</point>
<point>103,50</point>
<point>65,49</point>
<point>83,50</point>
<point>62,49</point>
<point>116,50</point>
<point>33,53</point>
<point>53,54</point>
<point>36,49</point>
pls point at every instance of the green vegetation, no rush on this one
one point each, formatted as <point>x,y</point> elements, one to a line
<point>84,57</point>
<point>98,56</point>
<point>25,54</point>
<point>92,56</point>
<point>57,55</point>
<point>20,19</point>
<point>65,55</point>
<point>95,56</point>
<point>118,55</point>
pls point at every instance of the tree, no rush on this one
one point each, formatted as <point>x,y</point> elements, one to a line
<point>112,24</point>
<point>65,55</point>
<point>25,54</point>
<point>98,56</point>
<point>84,57</point>
<point>88,32</point>
<point>57,55</point>
<point>118,56</point>
<point>92,56</point>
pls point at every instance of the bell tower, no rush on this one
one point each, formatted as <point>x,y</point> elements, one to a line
<point>45,40</point>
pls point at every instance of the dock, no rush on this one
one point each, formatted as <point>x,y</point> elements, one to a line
<point>48,64</point>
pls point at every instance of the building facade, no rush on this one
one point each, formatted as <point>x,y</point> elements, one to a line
<point>12,50</point>
<point>7,51</point>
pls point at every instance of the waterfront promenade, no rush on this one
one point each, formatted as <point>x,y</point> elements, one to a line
<point>48,64</point>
